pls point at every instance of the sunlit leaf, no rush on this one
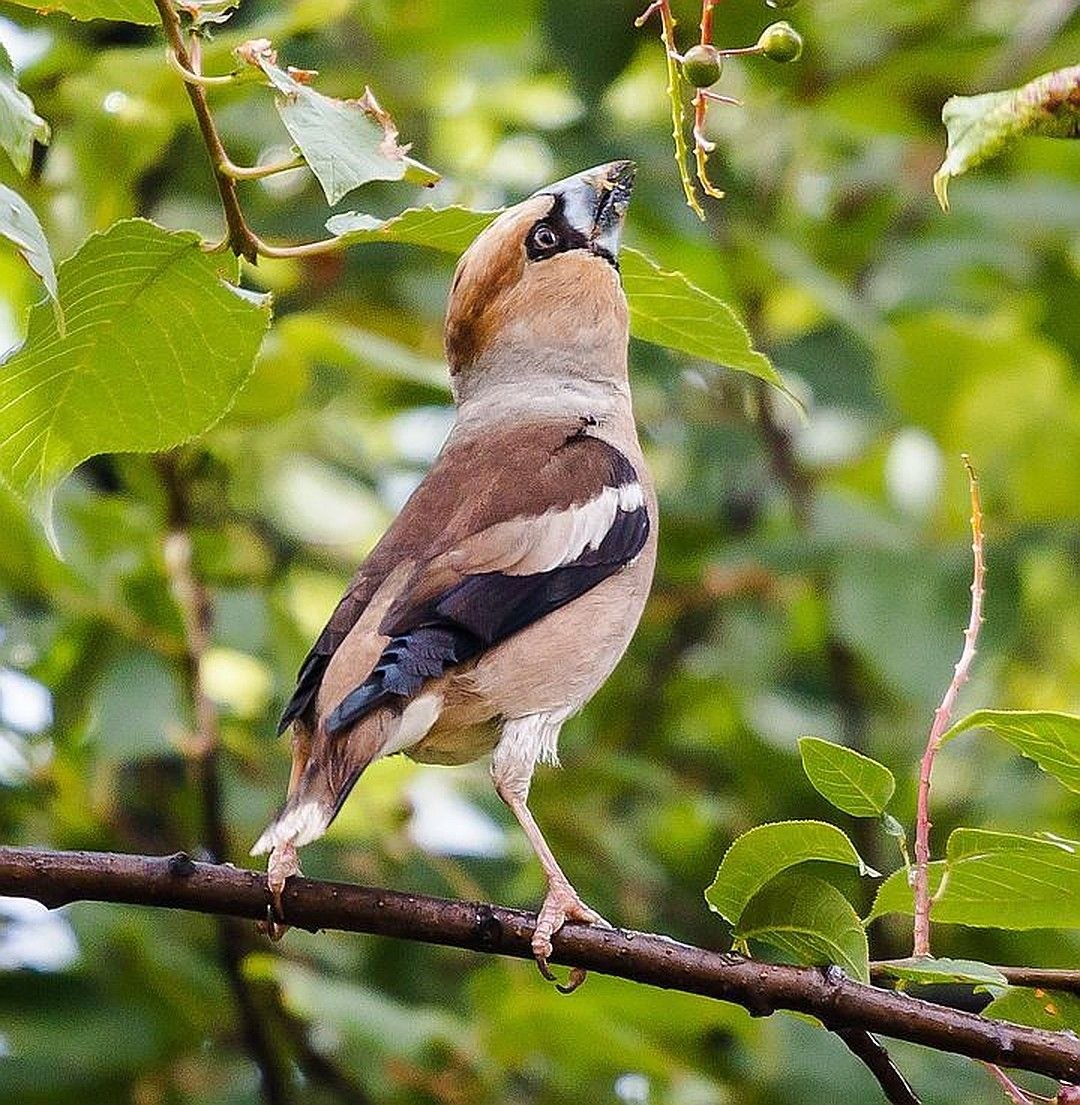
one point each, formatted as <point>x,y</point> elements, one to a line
<point>156,348</point>
<point>997,880</point>
<point>1051,739</point>
<point>928,971</point>
<point>346,143</point>
<point>20,124</point>
<point>759,855</point>
<point>123,11</point>
<point>451,229</point>
<point>807,921</point>
<point>1054,1010</point>
<point>19,225</point>
<point>851,781</point>
<point>981,126</point>
<point>667,309</point>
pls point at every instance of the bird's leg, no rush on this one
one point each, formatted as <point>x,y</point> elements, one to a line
<point>282,864</point>
<point>562,902</point>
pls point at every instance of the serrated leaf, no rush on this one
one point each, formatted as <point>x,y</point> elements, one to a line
<point>997,880</point>
<point>20,124</point>
<point>346,143</point>
<point>1054,1010</point>
<point>450,229</point>
<point>809,922</point>
<point>123,11</point>
<point>1051,739</point>
<point>978,127</point>
<point>19,225</point>
<point>851,781</point>
<point>761,854</point>
<point>665,308</point>
<point>156,348</point>
<point>928,971</point>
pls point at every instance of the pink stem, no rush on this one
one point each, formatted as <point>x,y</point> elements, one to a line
<point>1012,1091</point>
<point>941,723</point>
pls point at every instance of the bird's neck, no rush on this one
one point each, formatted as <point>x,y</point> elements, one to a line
<point>602,400</point>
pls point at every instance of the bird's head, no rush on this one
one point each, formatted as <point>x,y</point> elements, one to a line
<point>537,297</point>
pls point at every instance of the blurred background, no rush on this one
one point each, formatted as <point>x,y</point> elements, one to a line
<point>812,579</point>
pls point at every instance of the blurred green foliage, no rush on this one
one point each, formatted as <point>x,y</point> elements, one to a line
<point>812,580</point>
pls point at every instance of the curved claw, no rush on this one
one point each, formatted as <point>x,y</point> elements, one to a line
<point>544,969</point>
<point>562,904</point>
<point>576,977</point>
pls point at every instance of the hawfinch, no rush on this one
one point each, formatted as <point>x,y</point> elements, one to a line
<point>510,584</point>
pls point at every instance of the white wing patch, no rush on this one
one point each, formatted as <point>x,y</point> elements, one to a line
<point>530,546</point>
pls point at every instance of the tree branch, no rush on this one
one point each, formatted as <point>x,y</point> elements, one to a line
<point>1042,978</point>
<point>57,878</point>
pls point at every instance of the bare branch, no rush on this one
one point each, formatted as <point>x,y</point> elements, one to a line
<point>942,715</point>
<point>57,878</point>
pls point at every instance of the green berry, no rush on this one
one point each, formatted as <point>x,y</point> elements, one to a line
<point>780,42</point>
<point>781,3</point>
<point>701,66</point>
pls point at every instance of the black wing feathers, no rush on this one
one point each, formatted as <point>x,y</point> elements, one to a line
<point>482,610</point>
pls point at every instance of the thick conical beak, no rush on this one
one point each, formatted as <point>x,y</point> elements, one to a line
<point>594,203</point>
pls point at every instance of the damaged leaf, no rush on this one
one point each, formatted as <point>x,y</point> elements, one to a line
<point>346,143</point>
<point>981,126</point>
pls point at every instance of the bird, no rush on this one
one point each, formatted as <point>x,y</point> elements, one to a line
<point>510,584</point>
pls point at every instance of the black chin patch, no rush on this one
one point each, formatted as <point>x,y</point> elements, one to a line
<point>553,234</point>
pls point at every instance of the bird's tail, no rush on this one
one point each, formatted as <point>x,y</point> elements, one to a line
<point>325,769</point>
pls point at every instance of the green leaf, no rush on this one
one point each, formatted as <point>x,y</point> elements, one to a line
<point>20,124</point>
<point>346,143</point>
<point>665,308</point>
<point>851,781</point>
<point>981,126</point>
<point>19,225</point>
<point>807,921</point>
<point>123,11</point>
<point>928,971</point>
<point>1051,739</point>
<point>1054,1010</point>
<point>997,880</point>
<point>450,229</point>
<point>759,855</point>
<point>157,346</point>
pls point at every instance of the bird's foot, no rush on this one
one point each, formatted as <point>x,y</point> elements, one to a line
<point>282,865</point>
<point>562,904</point>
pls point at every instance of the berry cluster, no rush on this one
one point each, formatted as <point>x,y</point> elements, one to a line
<point>701,67</point>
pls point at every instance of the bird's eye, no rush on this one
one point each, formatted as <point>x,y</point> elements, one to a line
<point>544,239</point>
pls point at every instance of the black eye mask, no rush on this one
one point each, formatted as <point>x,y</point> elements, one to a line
<point>553,234</point>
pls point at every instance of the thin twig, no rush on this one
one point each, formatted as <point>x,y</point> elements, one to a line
<point>241,241</point>
<point>1041,978</point>
<point>1012,1091</point>
<point>57,878</point>
<point>667,37</point>
<point>878,1061</point>
<point>942,716</point>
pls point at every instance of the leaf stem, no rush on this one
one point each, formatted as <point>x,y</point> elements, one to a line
<point>258,172</point>
<point>1012,1091</point>
<point>941,721</point>
<point>191,77</point>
